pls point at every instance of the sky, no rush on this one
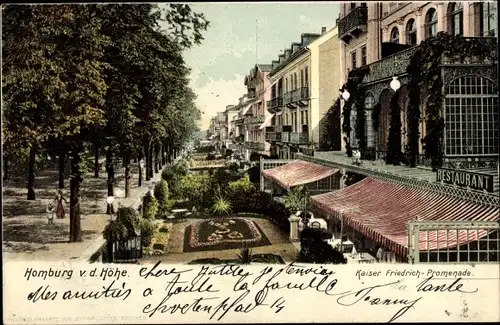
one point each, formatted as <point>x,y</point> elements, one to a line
<point>229,50</point>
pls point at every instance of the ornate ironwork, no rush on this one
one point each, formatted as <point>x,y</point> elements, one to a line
<point>304,93</point>
<point>276,103</point>
<point>285,137</point>
<point>355,20</point>
<point>295,95</point>
<point>393,65</point>
<point>287,98</point>
<point>470,195</point>
<point>451,73</point>
<point>299,138</point>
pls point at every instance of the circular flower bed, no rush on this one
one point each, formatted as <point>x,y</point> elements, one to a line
<point>223,233</point>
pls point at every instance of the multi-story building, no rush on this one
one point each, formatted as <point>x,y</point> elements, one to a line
<point>241,134</point>
<point>229,114</point>
<point>326,78</point>
<point>290,100</point>
<point>383,37</point>
<point>257,117</point>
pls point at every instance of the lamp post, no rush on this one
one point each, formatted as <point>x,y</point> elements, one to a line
<point>395,84</point>
<point>110,208</point>
<point>141,166</point>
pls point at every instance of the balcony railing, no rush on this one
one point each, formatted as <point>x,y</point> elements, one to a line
<point>278,136</point>
<point>278,128</point>
<point>295,95</point>
<point>259,119</point>
<point>304,93</point>
<point>285,137</point>
<point>393,65</point>
<point>276,103</point>
<point>299,138</point>
<point>352,24</point>
<point>287,98</point>
<point>258,146</point>
<point>270,136</point>
<point>270,128</point>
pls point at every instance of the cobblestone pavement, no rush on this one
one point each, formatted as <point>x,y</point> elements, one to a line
<point>26,232</point>
<point>280,244</point>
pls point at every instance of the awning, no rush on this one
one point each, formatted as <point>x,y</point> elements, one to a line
<point>298,172</point>
<point>245,109</point>
<point>382,210</point>
<point>266,121</point>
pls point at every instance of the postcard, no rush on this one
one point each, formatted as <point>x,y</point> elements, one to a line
<point>250,162</point>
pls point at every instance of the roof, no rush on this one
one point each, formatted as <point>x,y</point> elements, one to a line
<point>265,67</point>
<point>298,172</point>
<point>382,210</point>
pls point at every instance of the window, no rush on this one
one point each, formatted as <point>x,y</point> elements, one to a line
<point>363,56</point>
<point>456,14</point>
<point>301,117</point>
<point>488,19</point>
<point>353,6</point>
<point>301,78</point>
<point>295,80</point>
<point>370,136</point>
<point>286,84</point>
<point>286,119</point>
<point>411,32</point>
<point>431,20</point>
<point>306,76</point>
<point>353,60</point>
<point>395,35</point>
<point>306,117</point>
<point>471,119</point>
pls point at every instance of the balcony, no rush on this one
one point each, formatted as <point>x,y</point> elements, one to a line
<point>287,98</point>
<point>278,128</point>
<point>275,104</point>
<point>393,65</point>
<point>238,121</point>
<point>270,136</point>
<point>253,145</point>
<point>259,119</point>
<point>353,24</point>
<point>239,138</point>
<point>285,137</point>
<point>299,138</point>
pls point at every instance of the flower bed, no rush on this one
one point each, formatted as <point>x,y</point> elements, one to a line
<point>223,233</point>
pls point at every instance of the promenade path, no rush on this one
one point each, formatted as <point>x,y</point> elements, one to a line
<point>26,232</point>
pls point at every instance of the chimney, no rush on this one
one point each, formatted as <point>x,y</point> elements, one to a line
<point>323,30</point>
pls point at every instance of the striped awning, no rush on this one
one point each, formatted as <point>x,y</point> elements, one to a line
<point>298,172</point>
<point>382,210</point>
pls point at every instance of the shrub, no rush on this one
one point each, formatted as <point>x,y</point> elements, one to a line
<point>124,227</point>
<point>196,188</point>
<point>221,206</point>
<point>161,195</point>
<point>150,205</point>
<point>148,229</point>
<point>314,249</point>
<point>294,200</point>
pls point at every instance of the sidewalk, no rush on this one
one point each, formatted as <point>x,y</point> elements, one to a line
<point>26,232</point>
<point>133,201</point>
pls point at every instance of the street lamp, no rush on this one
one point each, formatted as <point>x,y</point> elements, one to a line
<point>395,84</point>
<point>141,166</point>
<point>110,209</point>
<point>346,95</point>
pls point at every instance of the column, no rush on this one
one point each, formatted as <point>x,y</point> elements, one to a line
<point>441,13</point>
<point>294,227</point>
<point>419,26</point>
<point>468,19</point>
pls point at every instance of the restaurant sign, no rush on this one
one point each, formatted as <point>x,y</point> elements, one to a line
<point>464,178</point>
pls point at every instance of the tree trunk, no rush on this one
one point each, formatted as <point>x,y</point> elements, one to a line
<point>31,174</point>
<point>62,158</point>
<point>150,169</point>
<point>126,161</point>
<point>140,169</point>
<point>96,162</point>
<point>157,158</point>
<point>148,161</point>
<point>5,167</point>
<point>75,230</point>
<point>163,155</point>
<point>110,170</point>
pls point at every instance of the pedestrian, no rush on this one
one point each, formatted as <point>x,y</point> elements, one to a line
<point>59,205</point>
<point>50,214</point>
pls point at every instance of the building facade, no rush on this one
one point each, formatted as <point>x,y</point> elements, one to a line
<point>290,131</point>
<point>257,117</point>
<point>326,79</point>
<point>382,38</point>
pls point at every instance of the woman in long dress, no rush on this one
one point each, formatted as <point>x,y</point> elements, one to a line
<point>59,205</point>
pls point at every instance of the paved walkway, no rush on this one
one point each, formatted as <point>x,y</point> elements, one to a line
<point>280,244</point>
<point>28,236</point>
